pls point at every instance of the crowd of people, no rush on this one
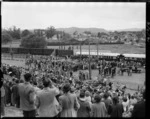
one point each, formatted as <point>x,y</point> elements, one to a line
<point>47,87</point>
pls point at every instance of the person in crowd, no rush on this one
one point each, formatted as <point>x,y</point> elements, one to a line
<point>133,100</point>
<point>21,81</point>
<point>84,110</point>
<point>8,93</point>
<point>35,87</point>
<point>139,108</point>
<point>98,109</point>
<point>117,108</point>
<point>125,104</point>
<point>2,99</point>
<point>46,100</point>
<point>108,103</point>
<point>68,102</point>
<point>15,93</point>
<point>49,69</point>
<point>88,97</point>
<point>27,97</point>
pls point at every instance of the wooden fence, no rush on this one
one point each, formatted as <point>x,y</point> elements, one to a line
<point>37,51</point>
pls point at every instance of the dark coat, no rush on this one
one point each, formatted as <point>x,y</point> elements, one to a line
<point>15,94</point>
<point>7,94</point>
<point>117,110</point>
<point>84,110</point>
<point>139,109</point>
<point>107,103</point>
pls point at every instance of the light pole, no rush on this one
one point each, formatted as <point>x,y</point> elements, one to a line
<point>59,40</point>
<point>80,50</point>
<point>11,53</point>
<point>89,61</point>
<point>97,48</point>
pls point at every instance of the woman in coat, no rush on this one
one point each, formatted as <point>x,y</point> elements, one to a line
<point>68,102</point>
<point>98,108</point>
<point>117,108</point>
<point>84,110</point>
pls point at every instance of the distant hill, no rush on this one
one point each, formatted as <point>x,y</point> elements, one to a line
<point>71,30</point>
<point>131,29</point>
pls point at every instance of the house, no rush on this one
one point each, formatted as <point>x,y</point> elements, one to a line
<point>40,32</point>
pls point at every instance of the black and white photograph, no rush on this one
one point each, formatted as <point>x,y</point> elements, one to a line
<point>73,59</point>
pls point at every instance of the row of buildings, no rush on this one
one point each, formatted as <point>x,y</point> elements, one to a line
<point>126,37</point>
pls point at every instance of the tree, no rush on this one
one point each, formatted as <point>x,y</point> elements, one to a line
<point>57,36</point>
<point>116,37</point>
<point>87,32</point>
<point>6,38</point>
<point>137,40</point>
<point>75,33</point>
<point>99,35</point>
<point>25,33</point>
<point>14,32</point>
<point>66,36</point>
<point>50,32</point>
<point>33,41</point>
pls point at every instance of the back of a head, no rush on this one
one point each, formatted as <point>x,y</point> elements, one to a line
<point>35,83</point>
<point>97,98</point>
<point>124,99</point>
<point>87,93</point>
<point>115,100</point>
<point>21,81</point>
<point>27,77</point>
<point>72,89</point>
<point>17,81</point>
<point>46,83</point>
<point>106,95</point>
<point>66,88</point>
<point>132,97</point>
<point>82,94</point>
<point>14,80</point>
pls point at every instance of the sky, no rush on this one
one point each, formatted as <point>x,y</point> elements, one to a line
<point>110,16</point>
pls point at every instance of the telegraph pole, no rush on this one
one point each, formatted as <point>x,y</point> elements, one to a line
<point>97,49</point>
<point>89,61</point>
<point>11,52</point>
<point>59,40</point>
<point>80,51</point>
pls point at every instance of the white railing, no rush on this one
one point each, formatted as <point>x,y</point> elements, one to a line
<point>100,51</point>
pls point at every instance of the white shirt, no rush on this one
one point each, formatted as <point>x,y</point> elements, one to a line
<point>125,105</point>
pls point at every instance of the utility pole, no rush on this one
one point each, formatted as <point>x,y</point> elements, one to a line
<point>98,48</point>
<point>80,51</point>
<point>11,52</point>
<point>89,62</point>
<point>59,40</point>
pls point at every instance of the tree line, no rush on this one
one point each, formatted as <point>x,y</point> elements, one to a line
<point>38,38</point>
